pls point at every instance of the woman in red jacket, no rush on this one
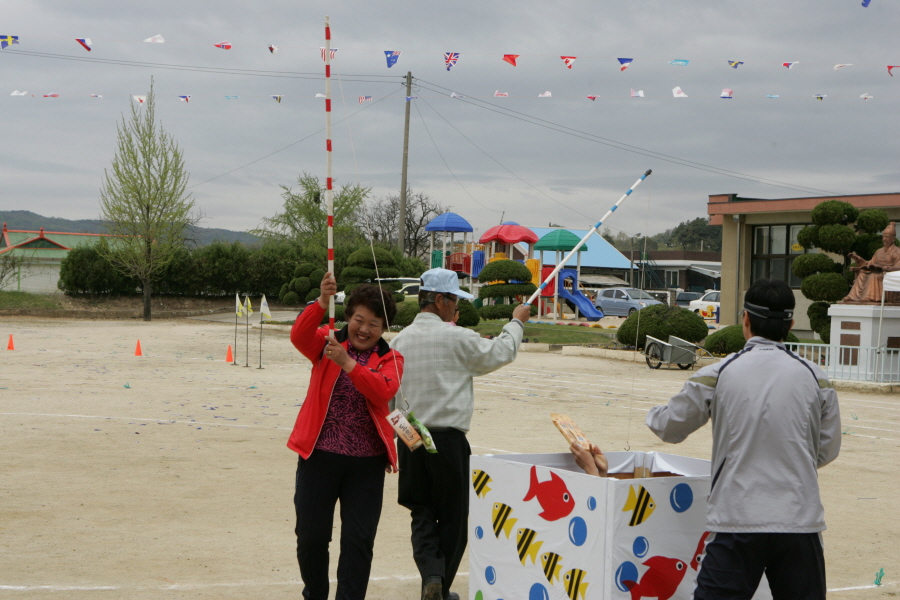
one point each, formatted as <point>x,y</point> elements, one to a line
<point>343,437</point>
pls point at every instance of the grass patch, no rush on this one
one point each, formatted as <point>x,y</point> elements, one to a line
<point>26,300</point>
<point>552,334</point>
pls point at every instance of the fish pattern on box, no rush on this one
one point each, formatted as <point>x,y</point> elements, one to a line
<point>545,533</point>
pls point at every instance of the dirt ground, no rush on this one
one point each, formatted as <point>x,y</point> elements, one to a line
<point>167,476</point>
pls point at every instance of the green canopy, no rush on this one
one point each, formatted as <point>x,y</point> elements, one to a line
<point>559,239</point>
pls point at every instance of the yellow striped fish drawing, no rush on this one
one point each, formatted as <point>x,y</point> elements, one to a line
<point>501,520</point>
<point>480,481</point>
<point>527,544</point>
<point>552,563</point>
<point>641,503</point>
<point>575,586</point>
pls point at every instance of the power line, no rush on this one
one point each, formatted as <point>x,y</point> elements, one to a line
<point>626,147</point>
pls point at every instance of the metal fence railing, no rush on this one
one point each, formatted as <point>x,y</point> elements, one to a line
<point>854,363</point>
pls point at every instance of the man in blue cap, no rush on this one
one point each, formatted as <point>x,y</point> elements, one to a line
<point>437,385</point>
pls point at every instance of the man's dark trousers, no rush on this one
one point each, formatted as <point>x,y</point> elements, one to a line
<point>435,488</point>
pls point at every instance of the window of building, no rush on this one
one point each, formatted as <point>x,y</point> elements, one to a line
<point>774,250</point>
<point>672,279</point>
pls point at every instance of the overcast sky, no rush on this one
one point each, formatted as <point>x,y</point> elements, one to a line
<point>475,155</point>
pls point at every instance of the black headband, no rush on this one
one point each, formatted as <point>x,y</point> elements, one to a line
<point>766,313</point>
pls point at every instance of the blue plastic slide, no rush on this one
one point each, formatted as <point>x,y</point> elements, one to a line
<point>585,307</point>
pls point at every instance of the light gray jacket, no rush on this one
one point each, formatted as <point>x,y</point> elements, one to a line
<point>775,421</point>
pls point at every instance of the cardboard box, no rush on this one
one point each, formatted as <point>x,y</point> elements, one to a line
<point>541,529</point>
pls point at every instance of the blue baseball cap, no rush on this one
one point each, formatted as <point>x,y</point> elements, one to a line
<point>443,281</point>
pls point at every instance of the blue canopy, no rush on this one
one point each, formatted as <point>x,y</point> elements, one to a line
<point>448,222</point>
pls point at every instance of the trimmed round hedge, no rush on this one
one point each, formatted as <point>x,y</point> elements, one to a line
<point>818,316</point>
<point>504,270</point>
<point>731,339</point>
<point>291,298</point>
<point>833,212</point>
<point>468,315</point>
<point>661,321</point>
<point>825,287</point>
<point>873,220</point>
<point>836,238</point>
<point>810,264</point>
<point>501,311</point>
<point>406,312</point>
<point>313,294</point>
<point>507,290</point>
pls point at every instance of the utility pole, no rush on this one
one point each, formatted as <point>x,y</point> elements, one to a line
<point>401,226</point>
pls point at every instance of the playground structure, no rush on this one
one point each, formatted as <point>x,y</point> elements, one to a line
<point>467,258</point>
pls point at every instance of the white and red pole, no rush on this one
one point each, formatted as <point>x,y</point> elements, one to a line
<point>329,192</point>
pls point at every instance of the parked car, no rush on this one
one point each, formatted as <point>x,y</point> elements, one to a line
<point>706,306</point>
<point>410,289</point>
<point>623,301</point>
<point>684,299</point>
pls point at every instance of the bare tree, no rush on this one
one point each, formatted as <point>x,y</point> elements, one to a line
<point>10,268</point>
<point>382,216</point>
<point>144,201</point>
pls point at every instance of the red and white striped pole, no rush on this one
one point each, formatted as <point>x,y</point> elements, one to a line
<point>329,192</point>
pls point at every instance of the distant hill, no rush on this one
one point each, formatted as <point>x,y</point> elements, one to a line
<point>27,220</point>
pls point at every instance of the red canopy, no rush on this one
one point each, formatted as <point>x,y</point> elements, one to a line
<point>509,234</point>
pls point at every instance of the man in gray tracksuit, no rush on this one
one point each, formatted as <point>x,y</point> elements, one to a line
<point>775,422</point>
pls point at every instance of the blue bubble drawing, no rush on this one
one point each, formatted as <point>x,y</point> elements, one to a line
<point>538,592</point>
<point>592,503</point>
<point>490,575</point>
<point>640,547</point>
<point>479,532</point>
<point>626,572</point>
<point>577,531</point>
<point>681,497</point>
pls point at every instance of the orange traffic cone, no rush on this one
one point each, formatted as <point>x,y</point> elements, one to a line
<point>10,346</point>
<point>137,350</point>
<point>229,357</point>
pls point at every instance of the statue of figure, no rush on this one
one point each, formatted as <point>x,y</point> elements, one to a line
<point>869,274</point>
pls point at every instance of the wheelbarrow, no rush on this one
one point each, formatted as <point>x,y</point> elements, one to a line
<point>676,351</point>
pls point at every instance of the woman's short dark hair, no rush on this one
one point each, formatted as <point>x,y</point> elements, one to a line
<point>379,301</point>
<point>775,295</point>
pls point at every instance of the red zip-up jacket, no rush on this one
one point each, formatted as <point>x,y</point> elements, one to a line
<point>378,381</point>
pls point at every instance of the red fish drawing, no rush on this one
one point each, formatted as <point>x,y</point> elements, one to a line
<point>553,496</point>
<point>660,580</point>
<point>695,562</point>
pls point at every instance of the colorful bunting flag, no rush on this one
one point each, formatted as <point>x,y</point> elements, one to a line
<point>499,94</point>
<point>232,97</point>
<point>726,93</point>
<point>789,65</point>
<point>546,94</point>
<point>365,99</point>
<point>865,3</point>
<point>156,39</point>
<point>841,66</point>
<point>408,98</point>
<point>8,40</point>
<point>679,62</point>
<point>771,95</point>
<point>85,43</point>
<point>264,308</point>
<point>455,95</point>
<point>18,93</point>
<point>273,48</point>
<point>637,94</point>
<point>820,97</point>
<point>96,96</point>
<point>277,98</point>
<point>678,92</point>
<point>866,96</point>
<point>51,95</point>
<point>625,63</point>
<point>392,56</point>
<point>184,99</point>
<point>568,60</point>
<point>238,307</point>
<point>734,64</point>
<point>592,98</point>
<point>450,59</point>
<point>891,67</point>
<point>140,99</point>
<point>320,95</point>
<point>331,51</point>
<point>511,58</point>
<point>226,45</point>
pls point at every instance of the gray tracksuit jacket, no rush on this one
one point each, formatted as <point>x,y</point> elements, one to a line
<point>775,421</point>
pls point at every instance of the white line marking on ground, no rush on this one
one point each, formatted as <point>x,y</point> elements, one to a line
<point>230,424</point>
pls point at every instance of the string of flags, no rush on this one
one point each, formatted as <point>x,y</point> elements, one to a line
<point>677,92</point>
<point>450,58</point>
